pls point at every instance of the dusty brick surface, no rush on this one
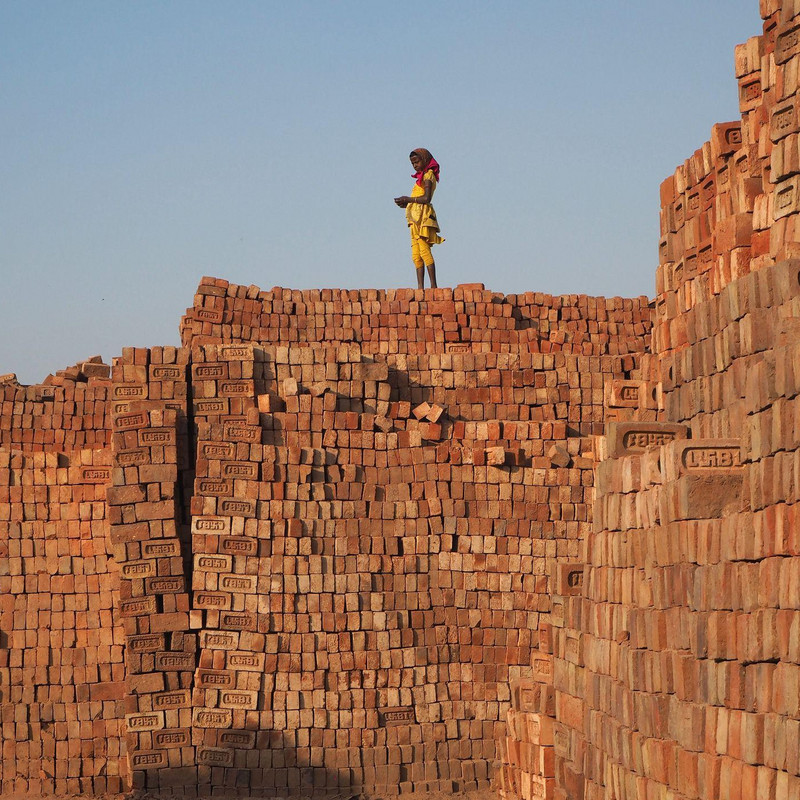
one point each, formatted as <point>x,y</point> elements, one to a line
<point>331,520</point>
<point>432,544</point>
<point>673,659</point>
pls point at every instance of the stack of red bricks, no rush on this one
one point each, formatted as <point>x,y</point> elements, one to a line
<point>707,224</point>
<point>686,617</point>
<point>61,646</point>
<point>527,752</point>
<point>344,554</point>
<point>466,319</point>
<point>676,662</point>
<point>739,340</point>
<point>778,114</point>
<point>159,375</point>
<point>374,519</point>
<point>231,601</point>
<point>60,415</point>
<point>352,531</point>
<point>145,511</point>
<point>734,206</point>
<point>365,530</point>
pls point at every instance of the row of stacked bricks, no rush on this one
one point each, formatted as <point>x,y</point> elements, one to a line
<point>625,401</point>
<point>539,757</point>
<point>231,601</point>
<point>149,538</point>
<point>527,753</point>
<point>371,554</point>
<point>60,415</point>
<point>741,344</point>
<point>340,600</point>
<point>780,115</point>
<point>61,651</point>
<point>753,392</point>
<point>515,385</point>
<point>465,319</point>
<point>159,375</point>
<point>650,698</point>
<point>678,660</point>
<point>733,207</point>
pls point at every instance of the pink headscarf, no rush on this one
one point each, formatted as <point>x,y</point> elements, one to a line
<point>429,162</point>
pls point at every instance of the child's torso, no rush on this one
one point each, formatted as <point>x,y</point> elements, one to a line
<point>418,190</point>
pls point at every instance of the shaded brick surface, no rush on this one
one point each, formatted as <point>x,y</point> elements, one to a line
<point>333,518</point>
<point>433,543</point>
<point>672,661</point>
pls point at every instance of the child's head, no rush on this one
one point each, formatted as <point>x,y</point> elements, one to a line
<point>420,158</point>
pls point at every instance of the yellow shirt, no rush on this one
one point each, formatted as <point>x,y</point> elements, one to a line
<point>421,217</point>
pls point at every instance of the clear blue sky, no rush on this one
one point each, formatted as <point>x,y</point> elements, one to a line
<point>146,144</point>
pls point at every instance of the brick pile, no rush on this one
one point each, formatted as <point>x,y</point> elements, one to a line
<point>677,644</point>
<point>61,645</point>
<point>349,541</point>
<point>330,558</point>
<point>384,542</point>
<point>707,594</point>
<point>466,319</point>
<point>232,598</point>
<point>149,447</point>
<point>69,411</point>
<point>527,752</point>
<point>411,458</point>
<point>675,657</point>
<point>372,571</point>
<point>152,379</point>
<point>733,207</point>
<point>675,635</point>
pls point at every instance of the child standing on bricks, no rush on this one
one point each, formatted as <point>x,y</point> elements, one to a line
<point>420,215</point>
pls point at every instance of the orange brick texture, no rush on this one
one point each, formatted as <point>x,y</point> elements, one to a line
<point>677,641</point>
<point>378,543</point>
<point>676,635</point>
<point>69,411</point>
<point>331,518</point>
<point>61,642</point>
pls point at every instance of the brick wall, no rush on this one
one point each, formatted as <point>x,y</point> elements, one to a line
<point>676,641</point>
<point>333,518</point>
<point>61,642</point>
<point>382,542</point>
<point>677,647</point>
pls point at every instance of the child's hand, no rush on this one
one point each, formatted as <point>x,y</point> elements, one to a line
<point>402,201</point>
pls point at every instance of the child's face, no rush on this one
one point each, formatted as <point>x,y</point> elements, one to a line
<point>416,162</point>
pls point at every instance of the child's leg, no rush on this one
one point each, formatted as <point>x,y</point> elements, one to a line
<point>427,260</point>
<point>416,257</point>
<point>432,274</point>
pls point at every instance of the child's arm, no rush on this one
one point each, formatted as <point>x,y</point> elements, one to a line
<point>423,198</point>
